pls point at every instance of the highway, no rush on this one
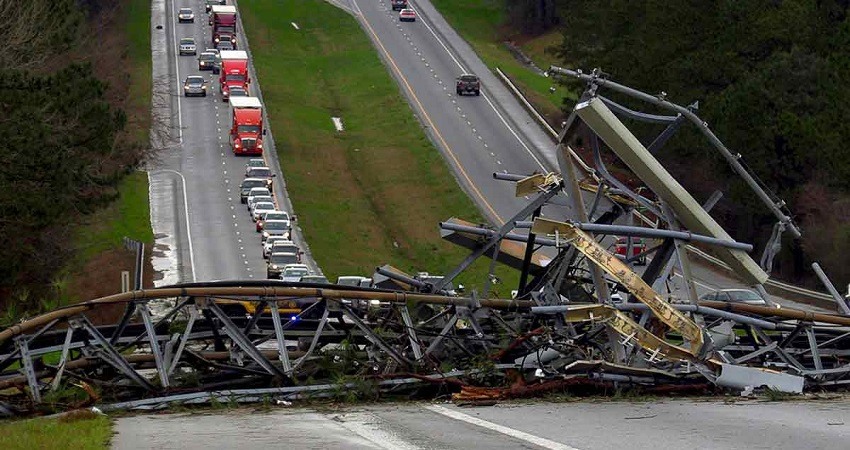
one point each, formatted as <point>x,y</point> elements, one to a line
<point>686,424</point>
<point>203,231</point>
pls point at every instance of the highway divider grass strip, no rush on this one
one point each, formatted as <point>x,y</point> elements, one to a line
<point>482,24</point>
<point>374,193</point>
<point>84,432</point>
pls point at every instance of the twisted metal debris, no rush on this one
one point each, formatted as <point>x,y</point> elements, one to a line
<point>581,315</point>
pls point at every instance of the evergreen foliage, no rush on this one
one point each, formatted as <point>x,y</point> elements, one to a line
<point>772,80</point>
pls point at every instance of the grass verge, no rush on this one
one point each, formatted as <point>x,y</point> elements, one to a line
<point>482,24</point>
<point>87,432</point>
<point>374,193</point>
<point>128,216</point>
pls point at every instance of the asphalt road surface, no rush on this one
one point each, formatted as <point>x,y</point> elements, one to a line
<point>203,232</point>
<point>674,424</point>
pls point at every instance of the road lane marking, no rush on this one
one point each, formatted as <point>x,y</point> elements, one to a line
<point>368,427</point>
<point>177,72</point>
<point>516,434</point>
<point>188,226</point>
<point>428,118</point>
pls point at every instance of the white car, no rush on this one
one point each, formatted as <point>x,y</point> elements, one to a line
<point>271,215</point>
<point>407,15</point>
<point>293,272</point>
<point>259,207</point>
<point>276,215</point>
<point>284,246</point>
<point>187,46</point>
<point>267,245</point>
<point>185,15</point>
<point>257,192</point>
<point>354,280</point>
<point>275,228</point>
<point>258,199</point>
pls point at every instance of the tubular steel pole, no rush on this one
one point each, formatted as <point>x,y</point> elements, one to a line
<point>251,292</point>
<point>626,230</point>
<point>732,159</point>
<point>526,261</point>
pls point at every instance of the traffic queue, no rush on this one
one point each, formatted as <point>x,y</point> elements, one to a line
<point>246,135</point>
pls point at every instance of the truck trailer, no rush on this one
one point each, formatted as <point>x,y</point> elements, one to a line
<point>246,126</point>
<point>223,22</point>
<point>234,72</point>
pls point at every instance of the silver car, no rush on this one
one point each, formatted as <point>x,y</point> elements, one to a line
<point>195,85</point>
<point>187,46</point>
<point>269,243</point>
<point>185,15</point>
<point>248,184</point>
<point>294,272</point>
<point>277,261</point>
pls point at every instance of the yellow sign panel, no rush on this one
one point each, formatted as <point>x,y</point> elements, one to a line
<point>536,183</point>
<point>631,330</point>
<point>588,246</point>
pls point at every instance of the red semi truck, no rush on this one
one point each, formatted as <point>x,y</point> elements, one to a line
<point>223,22</point>
<point>234,72</point>
<point>246,129</point>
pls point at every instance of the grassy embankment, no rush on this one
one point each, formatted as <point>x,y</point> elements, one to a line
<point>482,24</point>
<point>99,253</point>
<point>374,193</point>
<point>83,432</point>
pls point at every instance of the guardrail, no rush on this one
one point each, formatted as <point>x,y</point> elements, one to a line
<point>554,135</point>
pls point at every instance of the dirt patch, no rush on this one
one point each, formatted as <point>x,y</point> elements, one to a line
<point>101,276</point>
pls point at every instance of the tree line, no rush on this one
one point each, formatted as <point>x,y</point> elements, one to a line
<point>771,78</point>
<point>62,159</point>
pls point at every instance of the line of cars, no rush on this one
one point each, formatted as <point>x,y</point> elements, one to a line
<point>222,57</point>
<point>283,256</point>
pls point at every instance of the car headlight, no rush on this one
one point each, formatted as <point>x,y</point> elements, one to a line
<point>204,88</point>
<point>217,39</point>
<point>265,234</point>
<point>274,266</point>
<point>261,146</point>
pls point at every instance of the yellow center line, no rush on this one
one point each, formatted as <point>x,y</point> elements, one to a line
<point>431,123</point>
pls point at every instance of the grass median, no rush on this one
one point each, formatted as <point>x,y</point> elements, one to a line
<point>77,431</point>
<point>482,23</point>
<point>374,193</point>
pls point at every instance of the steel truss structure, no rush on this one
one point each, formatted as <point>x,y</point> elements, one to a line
<point>580,314</point>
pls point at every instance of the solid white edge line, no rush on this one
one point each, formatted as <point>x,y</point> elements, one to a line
<point>484,94</point>
<point>177,73</point>
<point>188,225</point>
<point>516,434</point>
<point>365,426</point>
